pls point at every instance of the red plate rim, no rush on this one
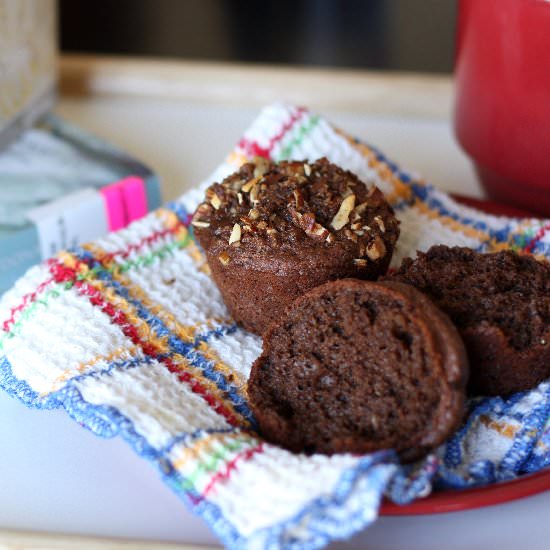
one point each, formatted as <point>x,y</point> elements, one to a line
<point>468,499</point>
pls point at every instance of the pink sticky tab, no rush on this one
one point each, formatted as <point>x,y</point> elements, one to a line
<point>125,201</point>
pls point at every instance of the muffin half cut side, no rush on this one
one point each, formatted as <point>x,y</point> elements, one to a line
<point>357,366</point>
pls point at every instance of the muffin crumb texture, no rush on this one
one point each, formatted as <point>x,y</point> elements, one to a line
<point>356,366</point>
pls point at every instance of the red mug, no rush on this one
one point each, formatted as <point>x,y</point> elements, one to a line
<point>502,111</point>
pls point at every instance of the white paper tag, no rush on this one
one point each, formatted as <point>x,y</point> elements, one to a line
<point>69,221</point>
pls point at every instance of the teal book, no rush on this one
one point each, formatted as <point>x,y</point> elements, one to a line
<point>61,186</point>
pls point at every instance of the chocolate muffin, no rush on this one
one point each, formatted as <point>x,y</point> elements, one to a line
<point>356,366</point>
<point>500,304</point>
<point>273,231</point>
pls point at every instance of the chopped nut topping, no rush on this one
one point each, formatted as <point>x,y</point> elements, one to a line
<point>224,258</point>
<point>235,236</point>
<point>376,249</point>
<point>308,224</point>
<point>236,184</point>
<point>253,196</point>
<point>358,211</point>
<point>215,201</point>
<point>296,216</point>
<point>240,198</point>
<point>198,223</point>
<point>261,166</point>
<point>342,216</point>
<point>203,209</point>
<point>380,223</point>
<point>308,221</point>
<point>350,235</point>
<point>360,262</point>
<point>250,184</point>
<point>319,231</point>
<point>299,198</point>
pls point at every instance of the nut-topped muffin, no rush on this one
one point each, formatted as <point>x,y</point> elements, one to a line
<point>273,231</point>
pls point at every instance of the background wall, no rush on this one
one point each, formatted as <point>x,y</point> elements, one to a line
<point>410,35</point>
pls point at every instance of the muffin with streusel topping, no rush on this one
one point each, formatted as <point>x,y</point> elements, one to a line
<point>272,231</point>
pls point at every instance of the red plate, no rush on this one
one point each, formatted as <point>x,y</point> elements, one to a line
<point>469,499</point>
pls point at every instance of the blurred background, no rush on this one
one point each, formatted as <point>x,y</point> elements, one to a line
<point>406,35</point>
<point>199,113</point>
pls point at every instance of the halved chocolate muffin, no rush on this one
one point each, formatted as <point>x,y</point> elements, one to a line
<point>500,304</point>
<point>356,366</point>
<point>273,231</point>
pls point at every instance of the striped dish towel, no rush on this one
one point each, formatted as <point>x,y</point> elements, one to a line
<point>130,336</point>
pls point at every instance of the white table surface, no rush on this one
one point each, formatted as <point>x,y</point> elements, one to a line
<point>57,477</point>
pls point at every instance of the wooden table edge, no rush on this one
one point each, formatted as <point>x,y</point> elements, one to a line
<point>255,85</point>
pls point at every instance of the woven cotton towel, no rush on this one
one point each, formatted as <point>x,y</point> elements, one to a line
<point>130,336</point>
